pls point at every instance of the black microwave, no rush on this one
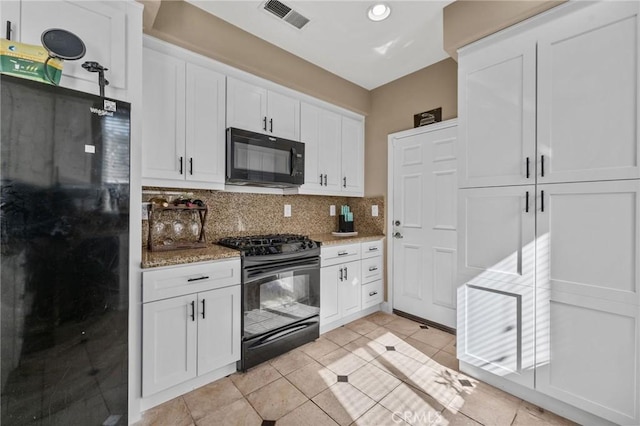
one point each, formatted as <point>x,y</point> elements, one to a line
<point>263,160</point>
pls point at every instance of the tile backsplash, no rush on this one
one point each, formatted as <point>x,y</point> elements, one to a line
<point>238,214</point>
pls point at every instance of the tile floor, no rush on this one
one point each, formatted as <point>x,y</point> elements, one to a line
<point>379,370</point>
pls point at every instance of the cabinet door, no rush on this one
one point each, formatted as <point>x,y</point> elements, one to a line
<point>246,106</point>
<point>496,236</point>
<point>330,150</point>
<point>283,116</point>
<point>321,132</point>
<point>350,288</point>
<point>587,354</point>
<point>329,294</point>
<point>100,25</point>
<point>496,329</point>
<point>588,93</point>
<point>168,343</point>
<point>352,157</point>
<point>310,134</point>
<point>496,119</point>
<point>11,16</point>
<point>163,136</point>
<point>218,328</point>
<point>205,131</point>
<point>587,239</point>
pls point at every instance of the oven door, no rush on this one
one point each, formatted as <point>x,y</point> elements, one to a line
<point>276,296</point>
<point>263,160</point>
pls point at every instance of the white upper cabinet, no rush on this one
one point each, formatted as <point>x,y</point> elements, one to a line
<point>183,139</point>
<point>205,131</point>
<point>105,27</point>
<point>497,114</point>
<point>352,157</point>
<point>254,108</point>
<point>163,118</point>
<point>246,106</point>
<point>588,86</point>
<point>321,132</point>
<point>334,152</point>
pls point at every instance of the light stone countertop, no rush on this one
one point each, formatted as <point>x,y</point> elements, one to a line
<point>330,239</point>
<point>153,259</point>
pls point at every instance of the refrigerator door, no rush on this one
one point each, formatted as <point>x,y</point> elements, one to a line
<point>64,249</point>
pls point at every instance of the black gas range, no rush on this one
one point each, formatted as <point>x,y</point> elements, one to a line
<point>273,247</point>
<point>280,294</point>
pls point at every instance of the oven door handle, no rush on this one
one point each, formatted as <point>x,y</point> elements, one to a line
<point>282,333</point>
<point>258,273</point>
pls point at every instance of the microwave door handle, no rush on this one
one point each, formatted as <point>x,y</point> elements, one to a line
<point>292,161</point>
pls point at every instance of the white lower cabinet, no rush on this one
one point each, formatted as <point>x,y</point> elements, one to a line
<point>350,280</point>
<point>191,334</point>
<point>339,291</point>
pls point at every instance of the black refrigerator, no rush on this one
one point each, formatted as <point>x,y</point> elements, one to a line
<point>64,222</point>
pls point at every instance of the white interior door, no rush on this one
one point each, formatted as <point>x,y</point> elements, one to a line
<point>424,219</point>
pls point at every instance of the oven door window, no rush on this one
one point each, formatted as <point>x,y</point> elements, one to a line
<point>280,299</point>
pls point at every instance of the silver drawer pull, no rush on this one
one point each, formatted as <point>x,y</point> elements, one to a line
<point>373,268</point>
<point>373,293</point>
<point>343,253</point>
<point>198,279</point>
<point>373,248</point>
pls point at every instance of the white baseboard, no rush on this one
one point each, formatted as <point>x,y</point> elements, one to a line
<point>551,404</point>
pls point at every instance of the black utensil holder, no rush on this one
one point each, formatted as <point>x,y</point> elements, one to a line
<point>343,225</point>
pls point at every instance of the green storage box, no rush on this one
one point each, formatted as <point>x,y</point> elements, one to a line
<point>27,61</point>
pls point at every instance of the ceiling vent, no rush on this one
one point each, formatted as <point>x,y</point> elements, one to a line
<point>284,12</point>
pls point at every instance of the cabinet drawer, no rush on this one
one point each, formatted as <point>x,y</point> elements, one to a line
<point>371,269</point>
<point>371,249</point>
<point>372,294</point>
<point>180,280</point>
<point>333,255</point>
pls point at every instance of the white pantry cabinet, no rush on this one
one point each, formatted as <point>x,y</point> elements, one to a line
<point>190,322</point>
<point>579,240</point>
<point>496,329</point>
<point>183,121</point>
<point>497,229</point>
<point>334,152</point>
<point>107,29</point>
<point>496,127</point>
<point>251,107</point>
<point>583,88</point>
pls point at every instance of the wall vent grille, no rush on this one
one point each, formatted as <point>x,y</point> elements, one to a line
<point>285,13</point>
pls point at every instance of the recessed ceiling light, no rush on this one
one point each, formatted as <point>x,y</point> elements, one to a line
<point>379,12</point>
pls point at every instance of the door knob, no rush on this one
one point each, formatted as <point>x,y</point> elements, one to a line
<point>397,223</point>
<point>397,235</point>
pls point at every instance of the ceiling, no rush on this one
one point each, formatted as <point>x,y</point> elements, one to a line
<point>341,39</point>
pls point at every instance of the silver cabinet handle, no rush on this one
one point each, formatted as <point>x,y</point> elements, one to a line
<point>321,180</point>
<point>204,277</point>
<point>343,253</point>
<point>373,268</point>
<point>397,235</point>
<point>341,277</point>
<point>373,293</point>
<point>325,180</point>
<point>345,272</point>
<point>373,248</point>
<point>344,185</point>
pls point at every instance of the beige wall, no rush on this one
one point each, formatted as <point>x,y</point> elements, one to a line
<point>187,26</point>
<point>392,108</point>
<point>466,21</point>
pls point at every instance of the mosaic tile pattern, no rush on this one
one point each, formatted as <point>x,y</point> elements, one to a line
<point>348,377</point>
<point>239,214</point>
